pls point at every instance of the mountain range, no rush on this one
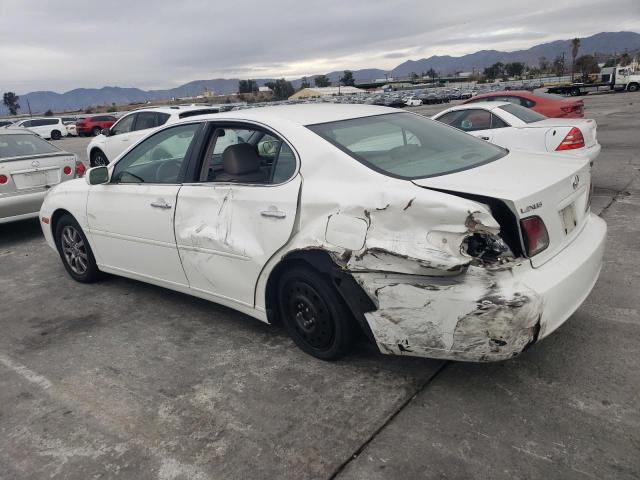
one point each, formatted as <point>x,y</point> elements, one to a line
<point>602,43</point>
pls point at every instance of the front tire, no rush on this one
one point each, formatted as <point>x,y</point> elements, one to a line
<point>98,159</point>
<point>75,251</point>
<point>314,315</point>
<point>96,131</point>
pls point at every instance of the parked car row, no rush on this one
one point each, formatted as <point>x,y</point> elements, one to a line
<point>465,250</point>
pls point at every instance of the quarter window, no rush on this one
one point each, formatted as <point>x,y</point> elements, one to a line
<point>158,159</point>
<point>468,120</point>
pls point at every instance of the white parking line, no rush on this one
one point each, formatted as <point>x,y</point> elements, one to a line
<point>24,372</point>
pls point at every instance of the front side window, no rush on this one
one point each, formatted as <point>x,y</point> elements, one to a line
<point>524,114</point>
<point>468,120</point>
<point>22,145</point>
<point>430,148</point>
<point>158,159</point>
<point>123,126</point>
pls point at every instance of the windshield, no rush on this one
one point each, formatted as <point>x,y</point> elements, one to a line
<point>525,114</point>
<point>408,146</point>
<point>21,145</point>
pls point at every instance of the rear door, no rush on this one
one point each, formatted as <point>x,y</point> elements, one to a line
<point>228,229</point>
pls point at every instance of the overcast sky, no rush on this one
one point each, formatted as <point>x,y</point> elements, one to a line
<point>63,44</point>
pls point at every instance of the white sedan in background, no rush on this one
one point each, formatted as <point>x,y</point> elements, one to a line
<point>515,127</point>
<point>50,128</point>
<point>430,241</point>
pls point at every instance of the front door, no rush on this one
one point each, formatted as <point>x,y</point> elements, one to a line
<point>131,218</point>
<point>230,223</point>
<point>120,137</point>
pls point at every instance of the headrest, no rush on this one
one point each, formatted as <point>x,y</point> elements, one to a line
<point>240,159</point>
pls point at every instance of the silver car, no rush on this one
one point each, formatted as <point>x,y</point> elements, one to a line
<point>29,166</point>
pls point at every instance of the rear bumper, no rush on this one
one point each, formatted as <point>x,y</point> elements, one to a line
<point>20,206</point>
<point>483,315</point>
<point>590,153</point>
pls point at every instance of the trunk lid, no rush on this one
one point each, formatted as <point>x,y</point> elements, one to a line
<point>555,188</point>
<point>35,172</point>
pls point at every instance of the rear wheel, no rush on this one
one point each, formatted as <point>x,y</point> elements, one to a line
<point>96,131</point>
<point>56,135</point>
<point>574,92</point>
<point>75,251</point>
<point>314,315</point>
<point>98,159</point>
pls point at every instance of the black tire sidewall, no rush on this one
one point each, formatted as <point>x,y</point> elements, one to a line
<point>94,155</point>
<point>93,273</point>
<point>96,129</point>
<point>55,135</point>
<point>340,315</point>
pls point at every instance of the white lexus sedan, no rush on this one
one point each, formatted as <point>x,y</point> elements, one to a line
<point>332,218</point>
<point>516,127</point>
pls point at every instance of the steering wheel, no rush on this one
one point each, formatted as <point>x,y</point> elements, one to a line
<point>168,171</point>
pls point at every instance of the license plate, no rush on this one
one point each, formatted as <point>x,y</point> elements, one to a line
<point>569,221</point>
<point>35,179</point>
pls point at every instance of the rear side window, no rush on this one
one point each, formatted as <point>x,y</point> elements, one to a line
<point>24,145</point>
<point>524,114</point>
<point>407,146</point>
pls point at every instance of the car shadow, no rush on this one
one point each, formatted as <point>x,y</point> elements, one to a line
<point>24,230</point>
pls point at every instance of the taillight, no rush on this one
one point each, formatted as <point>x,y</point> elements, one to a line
<point>573,140</point>
<point>67,170</point>
<point>536,237</point>
<point>3,179</point>
<point>80,169</point>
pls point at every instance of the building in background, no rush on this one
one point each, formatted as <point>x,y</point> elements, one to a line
<point>316,92</point>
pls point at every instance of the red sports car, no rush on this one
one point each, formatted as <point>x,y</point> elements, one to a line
<point>552,106</point>
<point>94,125</point>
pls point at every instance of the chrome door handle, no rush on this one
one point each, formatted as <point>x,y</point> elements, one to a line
<point>160,204</point>
<point>484,138</point>
<point>273,213</point>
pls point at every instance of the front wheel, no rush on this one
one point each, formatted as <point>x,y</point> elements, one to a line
<point>96,131</point>
<point>314,315</point>
<point>75,251</point>
<point>98,159</point>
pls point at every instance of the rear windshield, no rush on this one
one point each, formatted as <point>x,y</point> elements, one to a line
<point>525,114</point>
<point>24,145</point>
<point>408,146</point>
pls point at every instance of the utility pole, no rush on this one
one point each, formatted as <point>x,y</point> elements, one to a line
<point>29,106</point>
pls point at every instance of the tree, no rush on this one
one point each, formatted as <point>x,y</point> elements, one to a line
<point>625,59</point>
<point>586,64</point>
<point>558,66</point>
<point>347,79</point>
<point>432,74</point>
<point>304,83</point>
<point>247,86</point>
<point>543,64</point>
<point>514,69</point>
<point>48,113</point>
<point>281,89</point>
<point>413,76</point>
<point>575,48</point>
<point>10,100</point>
<point>494,71</point>
<point>88,110</point>
<point>322,81</point>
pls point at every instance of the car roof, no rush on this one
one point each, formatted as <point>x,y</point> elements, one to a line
<point>302,114</point>
<point>485,105</point>
<point>170,109</point>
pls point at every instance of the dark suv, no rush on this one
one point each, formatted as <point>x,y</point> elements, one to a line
<point>94,125</point>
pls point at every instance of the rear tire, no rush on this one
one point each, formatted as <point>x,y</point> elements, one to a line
<point>75,251</point>
<point>314,314</point>
<point>56,135</point>
<point>98,159</point>
<point>574,92</point>
<point>96,131</point>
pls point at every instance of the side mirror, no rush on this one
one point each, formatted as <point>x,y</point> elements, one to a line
<point>97,175</point>
<point>106,132</point>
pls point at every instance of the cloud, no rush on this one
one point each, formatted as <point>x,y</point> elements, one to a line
<point>162,43</point>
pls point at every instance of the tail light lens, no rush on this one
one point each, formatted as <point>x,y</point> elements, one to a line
<point>573,140</point>
<point>67,170</point>
<point>80,169</point>
<point>536,237</point>
<point>3,179</point>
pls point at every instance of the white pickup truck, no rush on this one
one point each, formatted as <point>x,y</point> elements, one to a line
<point>610,78</point>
